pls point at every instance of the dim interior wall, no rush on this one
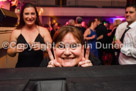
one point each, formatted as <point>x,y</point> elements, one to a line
<point>67,11</point>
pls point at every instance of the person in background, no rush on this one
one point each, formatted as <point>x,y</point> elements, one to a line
<point>110,36</point>
<point>27,39</point>
<point>79,25</point>
<point>47,26</point>
<point>101,33</point>
<point>90,36</point>
<point>113,29</point>
<point>126,37</point>
<point>13,5</point>
<point>71,22</point>
<point>110,54</point>
<point>68,49</point>
<point>54,29</point>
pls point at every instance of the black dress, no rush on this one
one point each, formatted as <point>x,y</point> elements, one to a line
<point>29,58</point>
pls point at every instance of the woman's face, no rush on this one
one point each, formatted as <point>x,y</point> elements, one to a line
<point>29,16</point>
<point>68,52</point>
<point>94,24</point>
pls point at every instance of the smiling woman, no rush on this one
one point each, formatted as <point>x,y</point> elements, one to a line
<point>27,38</point>
<point>29,16</point>
<point>69,49</point>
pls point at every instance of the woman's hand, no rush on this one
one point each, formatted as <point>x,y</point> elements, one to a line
<point>117,44</point>
<point>37,46</point>
<point>85,62</point>
<point>53,62</point>
<point>20,47</point>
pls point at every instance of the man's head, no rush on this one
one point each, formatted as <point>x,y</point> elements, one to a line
<point>130,13</point>
<point>71,22</point>
<point>79,20</point>
<point>98,20</point>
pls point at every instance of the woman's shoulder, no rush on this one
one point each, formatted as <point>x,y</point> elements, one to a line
<point>88,30</point>
<point>42,29</point>
<point>45,33</point>
<point>16,32</point>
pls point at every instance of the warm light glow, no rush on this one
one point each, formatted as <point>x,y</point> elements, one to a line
<point>113,19</point>
<point>83,24</point>
<point>40,11</point>
<point>3,0</point>
<point>54,21</point>
<point>67,23</point>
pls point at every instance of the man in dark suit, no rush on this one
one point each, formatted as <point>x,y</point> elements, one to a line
<point>101,34</point>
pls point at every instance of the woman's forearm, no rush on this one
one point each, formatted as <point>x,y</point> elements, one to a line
<point>11,52</point>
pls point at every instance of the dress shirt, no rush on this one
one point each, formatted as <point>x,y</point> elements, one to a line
<point>128,51</point>
<point>120,30</point>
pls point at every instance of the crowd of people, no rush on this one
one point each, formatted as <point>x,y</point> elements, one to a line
<point>98,37</point>
<point>73,45</point>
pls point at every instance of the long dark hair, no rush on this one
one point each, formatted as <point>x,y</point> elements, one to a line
<point>90,22</point>
<point>21,22</point>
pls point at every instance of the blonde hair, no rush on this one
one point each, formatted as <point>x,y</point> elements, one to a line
<point>117,22</point>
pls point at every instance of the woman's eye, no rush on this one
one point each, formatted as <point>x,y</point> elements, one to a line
<point>61,46</point>
<point>73,46</point>
<point>33,13</point>
<point>26,13</point>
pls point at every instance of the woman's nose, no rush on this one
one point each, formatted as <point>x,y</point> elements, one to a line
<point>30,16</point>
<point>67,51</point>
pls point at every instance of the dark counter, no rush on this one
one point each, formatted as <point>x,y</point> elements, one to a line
<point>96,78</point>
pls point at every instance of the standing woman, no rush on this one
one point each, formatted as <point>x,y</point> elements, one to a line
<point>90,36</point>
<point>28,37</point>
